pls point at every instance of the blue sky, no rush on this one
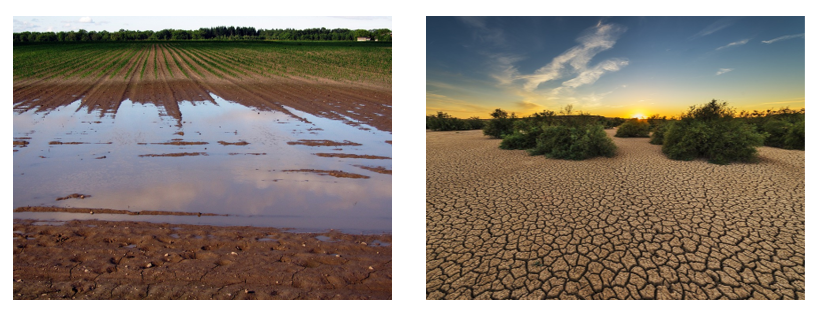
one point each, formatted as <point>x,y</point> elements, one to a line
<point>618,66</point>
<point>155,23</point>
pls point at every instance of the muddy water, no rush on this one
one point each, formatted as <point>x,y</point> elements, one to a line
<point>249,183</point>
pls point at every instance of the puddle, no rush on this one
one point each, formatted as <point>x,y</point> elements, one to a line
<point>175,236</point>
<point>131,246</point>
<point>48,223</point>
<point>247,182</point>
<point>379,243</point>
<point>267,239</point>
<point>325,239</point>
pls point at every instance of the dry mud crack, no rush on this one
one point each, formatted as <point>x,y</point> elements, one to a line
<point>505,225</point>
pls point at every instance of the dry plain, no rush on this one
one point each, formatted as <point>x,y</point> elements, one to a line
<point>505,225</point>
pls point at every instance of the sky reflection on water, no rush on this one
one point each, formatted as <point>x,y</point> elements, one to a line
<point>227,179</point>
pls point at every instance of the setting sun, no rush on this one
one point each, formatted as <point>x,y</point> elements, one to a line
<point>639,116</point>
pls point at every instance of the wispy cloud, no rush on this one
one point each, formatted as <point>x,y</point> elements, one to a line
<point>785,37</point>
<point>736,43</point>
<point>592,42</point>
<point>784,102</point>
<point>482,32</point>
<point>23,26</point>
<point>716,26</point>
<point>722,71</point>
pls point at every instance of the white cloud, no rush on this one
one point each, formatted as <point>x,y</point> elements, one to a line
<point>740,42</point>
<point>716,26</point>
<point>86,19</point>
<point>23,26</point>
<point>482,32</point>
<point>722,71</point>
<point>785,37</point>
<point>594,41</point>
<point>591,75</point>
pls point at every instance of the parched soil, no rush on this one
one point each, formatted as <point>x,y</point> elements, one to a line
<point>138,260</point>
<point>166,75</point>
<point>333,173</point>
<point>505,225</point>
<point>343,155</point>
<point>323,143</point>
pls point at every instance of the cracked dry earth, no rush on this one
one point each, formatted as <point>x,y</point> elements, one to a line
<point>140,260</point>
<point>505,225</point>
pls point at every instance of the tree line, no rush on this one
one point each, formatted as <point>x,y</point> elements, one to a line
<point>211,33</point>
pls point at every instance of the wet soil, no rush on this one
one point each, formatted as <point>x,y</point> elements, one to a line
<point>240,143</point>
<point>175,154</point>
<point>323,143</point>
<point>333,173</point>
<point>379,169</point>
<point>356,103</point>
<point>342,155</point>
<point>139,260</point>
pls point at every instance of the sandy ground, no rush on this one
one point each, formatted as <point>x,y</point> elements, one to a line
<point>137,260</point>
<point>505,225</point>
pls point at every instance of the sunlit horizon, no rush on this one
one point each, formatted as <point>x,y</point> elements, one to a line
<point>614,67</point>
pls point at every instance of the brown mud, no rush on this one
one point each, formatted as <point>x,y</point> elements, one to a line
<point>47,209</point>
<point>323,143</point>
<point>342,155</point>
<point>175,154</point>
<point>333,173</point>
<point>75,195</point>
<point>139,260</point>
<point>379,169</point>
<point>240,143</point>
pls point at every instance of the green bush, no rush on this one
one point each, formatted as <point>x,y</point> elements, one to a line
<point>474,123</point>
<point>500,125</point>
<point>610,123</point>
<point>634,128</point>
<point>711,132</point>
<point>795,136</point>
<point>572,142</point>
<point>784,131</point>
<point>444,122</point>
<point>518,141</point>
<point>657,137</point>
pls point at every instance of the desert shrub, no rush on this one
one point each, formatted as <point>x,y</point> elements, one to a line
<point>784,128</point>
<point>657,137</point>
<point>573,142</point>
<point>711,132</point>
<point>634,128</point>
<point>444,122</point>
<point>610,123</point>
<point>474,123</point>
<point>500,125</point>
<point>795,136</point>
<point>518,141</point>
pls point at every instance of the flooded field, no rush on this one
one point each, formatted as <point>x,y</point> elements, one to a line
<point>249,165</point>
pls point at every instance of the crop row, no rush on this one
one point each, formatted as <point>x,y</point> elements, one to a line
<point>224,60</point>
